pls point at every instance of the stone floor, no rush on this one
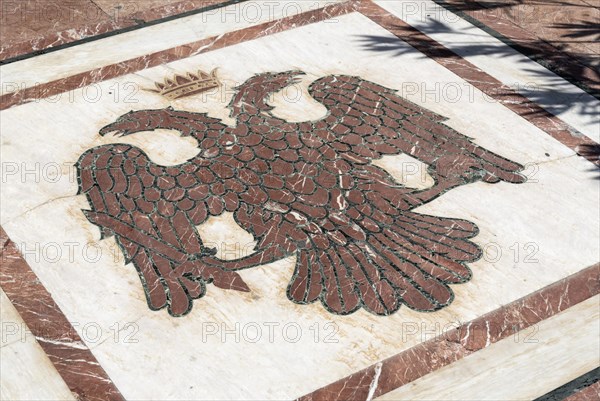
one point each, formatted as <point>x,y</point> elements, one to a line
<point>324,200</point>
<point>35,26</point>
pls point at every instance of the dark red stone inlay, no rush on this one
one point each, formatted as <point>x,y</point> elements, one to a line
<point>304,189</point>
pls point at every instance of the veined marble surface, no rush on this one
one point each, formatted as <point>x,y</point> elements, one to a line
<point>517,368</point>
<point>27,373</point>
<point>245,345</point>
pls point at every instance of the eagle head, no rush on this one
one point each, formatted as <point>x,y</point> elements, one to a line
<point>135,121</point>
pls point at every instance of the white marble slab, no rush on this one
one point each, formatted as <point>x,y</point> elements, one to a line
<point>193,357</point>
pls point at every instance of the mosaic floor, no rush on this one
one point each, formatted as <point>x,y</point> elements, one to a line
<point>349,200</point>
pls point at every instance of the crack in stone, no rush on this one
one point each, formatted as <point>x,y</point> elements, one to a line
<point>37,207</point>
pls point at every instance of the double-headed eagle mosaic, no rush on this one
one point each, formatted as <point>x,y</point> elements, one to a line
<point>305,189</point>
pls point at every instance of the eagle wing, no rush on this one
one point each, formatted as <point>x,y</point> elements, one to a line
<point>348,221</point>
<point>354,248</point>
<point>369,121</point>
<point>152,211</point>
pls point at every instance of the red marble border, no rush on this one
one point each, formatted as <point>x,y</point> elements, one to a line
<point>54,39</point>
<point>590,393</point>
<point>483,81</point>
<point>468,338</point>
<point>177,53</point>
<point>71,357</point>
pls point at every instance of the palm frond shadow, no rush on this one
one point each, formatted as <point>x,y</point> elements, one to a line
<point>553,95</point>
<point>592,153</point>
<point>585,29</point>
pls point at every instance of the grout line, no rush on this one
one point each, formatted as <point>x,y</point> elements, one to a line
<point>101,10</point>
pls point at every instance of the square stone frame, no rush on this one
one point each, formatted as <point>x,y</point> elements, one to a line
<point>87,379</point>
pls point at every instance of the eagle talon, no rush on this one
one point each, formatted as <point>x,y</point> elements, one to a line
<point>197,270</point>
<point>203,253</point>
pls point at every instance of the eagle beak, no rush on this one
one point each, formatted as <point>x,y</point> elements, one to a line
<point>123,126</point>
<point>295,76</point>
<point>107,129</point>
<point>116,128</point>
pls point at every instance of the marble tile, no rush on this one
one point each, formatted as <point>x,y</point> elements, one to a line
<point>571,104</point>
<point>124,9</point>
<point>23,362</point>
<point>445,347</point>
<point>558,36</point>
<point>93,283</point>
<point>50,89</point>
<point>516,368</point>
<point>494,89</point>
<point>33,19</point>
